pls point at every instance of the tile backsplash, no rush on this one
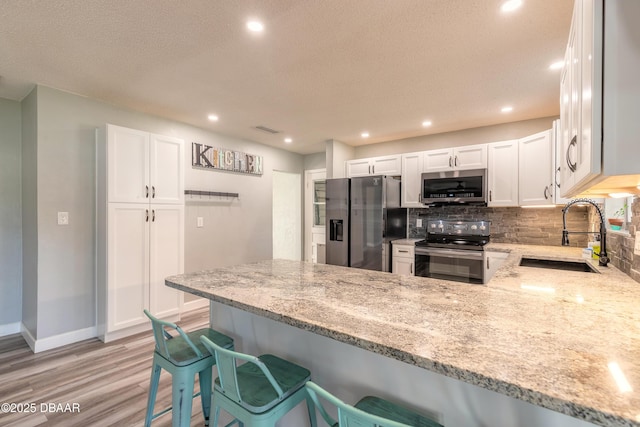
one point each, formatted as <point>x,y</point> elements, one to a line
<point>620,246</point>
<point>532,226</point>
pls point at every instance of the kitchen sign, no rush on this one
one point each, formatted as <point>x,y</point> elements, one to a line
<point>205,156</point>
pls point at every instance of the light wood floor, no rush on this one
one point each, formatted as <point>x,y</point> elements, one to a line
<point>109,381</point>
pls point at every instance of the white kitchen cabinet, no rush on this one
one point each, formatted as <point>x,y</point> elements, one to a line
<point>458,158</point>
<point>141,236</point>
<point>600,97</point>
<point>384,165</point>
<point>144,166</point>
<point>535,170</point>
<point>403,259</point>
<point>557,178</point>
<point>411,180</point>
<point>502,173</point>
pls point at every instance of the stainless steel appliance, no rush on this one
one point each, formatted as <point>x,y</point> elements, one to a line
<point>454,250</point>
<point>454,187</point>
<point>363,215</point>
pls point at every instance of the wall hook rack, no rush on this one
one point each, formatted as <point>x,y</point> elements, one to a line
<point>201,195</point>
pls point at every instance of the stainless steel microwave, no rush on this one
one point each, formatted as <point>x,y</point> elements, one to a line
<point>454,187</point>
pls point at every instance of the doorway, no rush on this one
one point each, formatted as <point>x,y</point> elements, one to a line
<point>287,216</point>
<point>314,208</point>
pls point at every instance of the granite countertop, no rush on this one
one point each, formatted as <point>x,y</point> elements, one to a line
<point>544,336</point>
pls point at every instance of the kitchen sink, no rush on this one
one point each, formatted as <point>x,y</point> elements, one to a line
<point>556,264</point>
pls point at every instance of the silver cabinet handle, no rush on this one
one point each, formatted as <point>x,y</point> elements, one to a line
<point>146,216</point>
<point>146,195</point>
<point>572,165</point>
<point>487,263</point>
<point>546,190</point>
<point>373,168</point>
<point>449,161</point>
<point>411,268</point>
<point>455,161</point>
<point>153,192</point>
<point>369,169</point>
<point>557,180</point>
<point>153,215</point>
<point>490,195</point>
<point>404,252</point>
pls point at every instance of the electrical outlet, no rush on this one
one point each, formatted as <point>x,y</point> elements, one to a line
<point>63,218</point>
<point>419,222</point>
<point>200,222</point>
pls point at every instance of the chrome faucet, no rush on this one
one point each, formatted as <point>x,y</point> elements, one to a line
<point>604,259</point>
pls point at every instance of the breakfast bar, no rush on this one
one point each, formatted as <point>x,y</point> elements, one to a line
<point>533,347</point>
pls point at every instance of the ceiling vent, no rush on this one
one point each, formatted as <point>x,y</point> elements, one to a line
<point>266,129</point>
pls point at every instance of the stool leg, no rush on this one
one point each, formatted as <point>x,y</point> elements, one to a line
<point>216,415</point>
<point>153,390</point>
<point>311,407</point>
<point>205,393</point>
<point>181,397</point>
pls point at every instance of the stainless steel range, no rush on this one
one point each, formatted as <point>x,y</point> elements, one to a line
<point>454,250</point>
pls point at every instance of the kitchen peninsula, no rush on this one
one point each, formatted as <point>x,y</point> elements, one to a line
<point>471,355</point>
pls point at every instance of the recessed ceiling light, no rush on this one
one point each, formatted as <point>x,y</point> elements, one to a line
<point>556,65</point>
<point>288,140</point>
<point>507,109</point>
<point>212,117</point>
<point>426,123</point>
<point>511,5</point>
<point>255,26</point>
<point>365,134</point>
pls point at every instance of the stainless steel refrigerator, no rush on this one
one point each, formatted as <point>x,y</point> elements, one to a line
<point>363,216</point>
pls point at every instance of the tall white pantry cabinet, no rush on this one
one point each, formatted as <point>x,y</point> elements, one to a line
<point>140,232</point>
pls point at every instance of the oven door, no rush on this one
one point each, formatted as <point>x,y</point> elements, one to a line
<point>450,264</point>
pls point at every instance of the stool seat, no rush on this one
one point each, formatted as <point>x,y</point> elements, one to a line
<point>260,390</point>
<point>392,411</point>
<point>370,411</point>
<point>183,356</point>
<point>181,353</point>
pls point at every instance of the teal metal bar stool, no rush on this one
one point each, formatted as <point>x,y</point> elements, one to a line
<point>183,356</point>
<point>370,411</point>
<point>260,391</point>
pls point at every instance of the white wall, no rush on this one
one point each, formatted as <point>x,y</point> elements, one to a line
<point>336,154</point>
<point>287,215</point>
<point>235,231</point>
<point>10,217</point>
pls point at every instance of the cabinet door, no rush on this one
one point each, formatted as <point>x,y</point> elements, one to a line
<point>470,157</point>
<point>402,266</point>
<point>127,165</point>
<point>166,258</point>
<point>167,169</point>
<point>360,167</point>
<point>389,165</point>
<point>588,162</point>
<point>556,142</point>
<point>566,135</point>
<point>503,173</point>
<point>535,171</point>
<point>128,265</point>
<point>438,160</point>
<point>411,180</point>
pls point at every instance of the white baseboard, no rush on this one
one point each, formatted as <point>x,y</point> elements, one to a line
<point>43,344</point>
<point>192,305</point>
<point>9,329</point>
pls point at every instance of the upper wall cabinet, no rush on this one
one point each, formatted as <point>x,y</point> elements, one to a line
<point>385,165</point>
<point>144,167</point>
<point>459,158</point>
<point>412,164</point>
<point>535,170</point>
<point>502,173</point>
<point>600,96</point>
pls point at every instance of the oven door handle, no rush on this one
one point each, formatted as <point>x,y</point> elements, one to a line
<point>450,253</point>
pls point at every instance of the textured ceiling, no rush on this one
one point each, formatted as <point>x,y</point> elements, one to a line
<point>322,69</point>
